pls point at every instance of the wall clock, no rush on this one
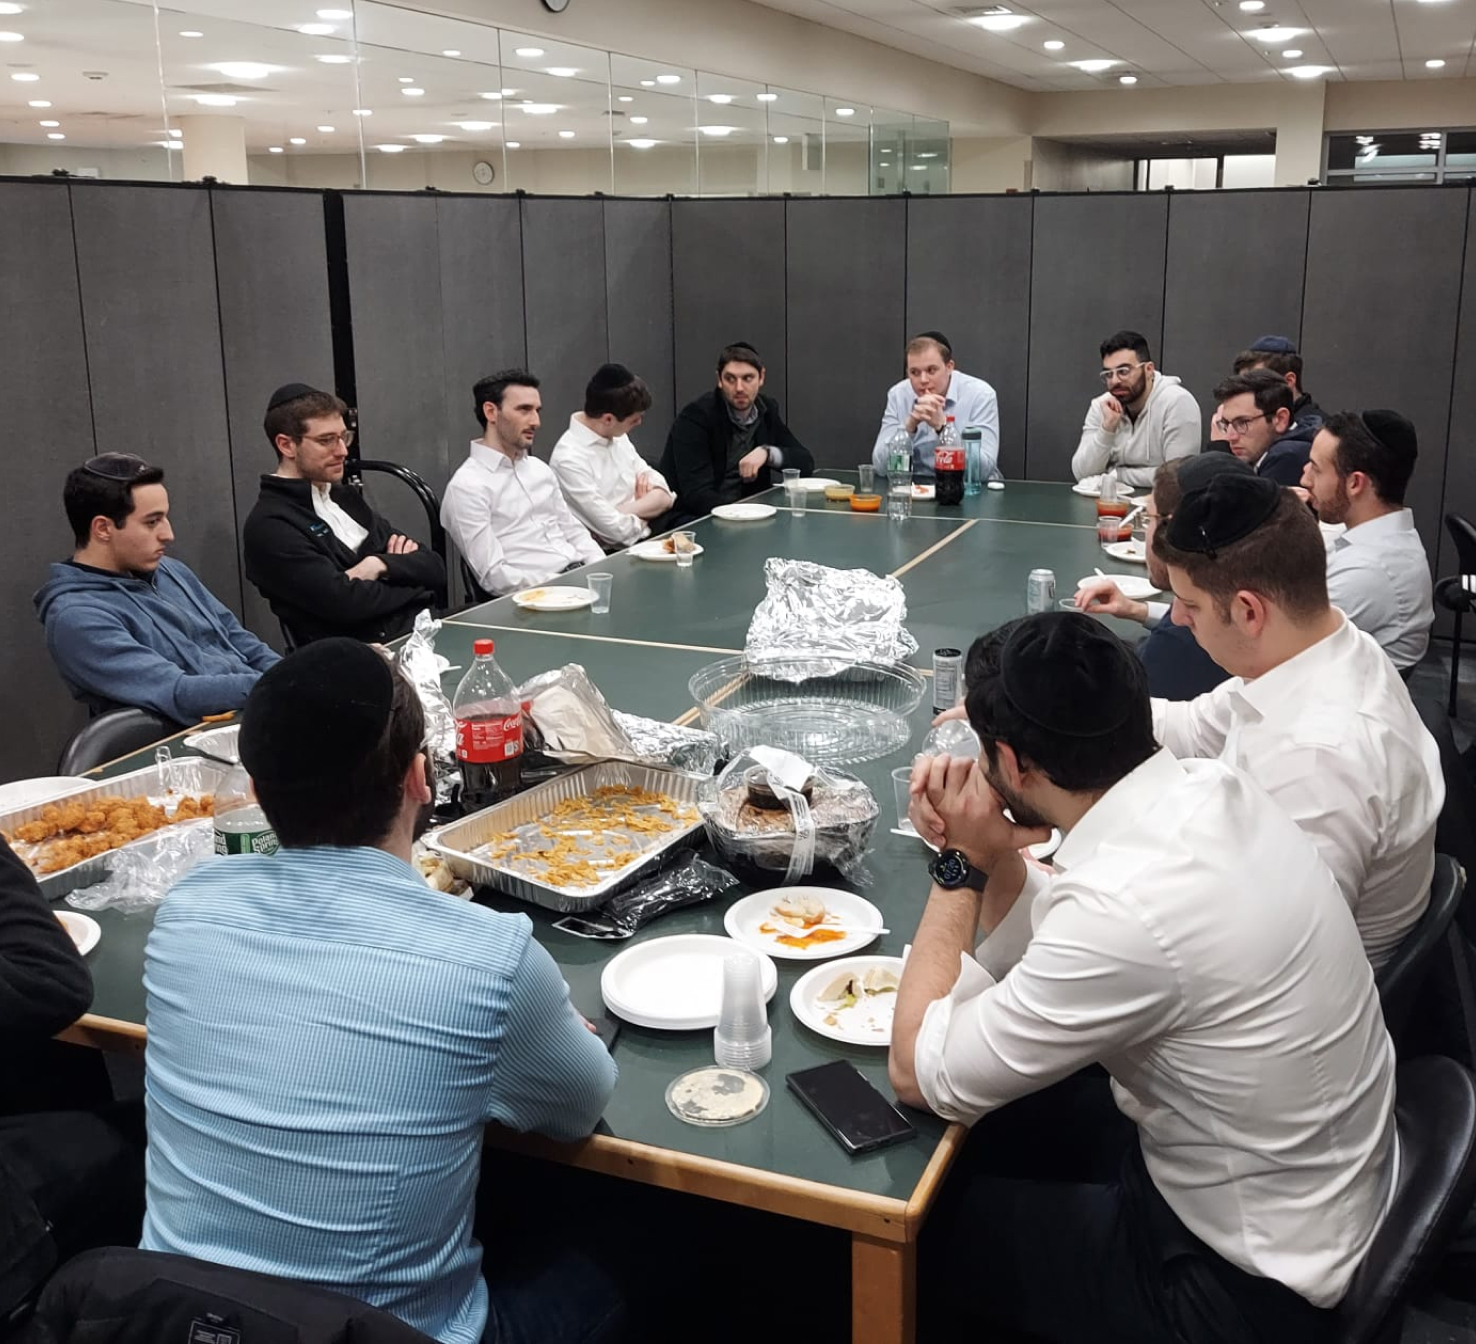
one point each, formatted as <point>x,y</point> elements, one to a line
<point>483,172</point>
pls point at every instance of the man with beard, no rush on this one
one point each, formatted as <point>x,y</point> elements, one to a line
<point>724,445</point>
<point>328,1035</point>
<point>922,402</point>
<point>1192,943</point>
<point>1377,573</point>
<point>1178,669</point>
<point>1143,419</point>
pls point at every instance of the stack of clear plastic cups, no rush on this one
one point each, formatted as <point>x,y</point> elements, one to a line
<point>743,1038</point>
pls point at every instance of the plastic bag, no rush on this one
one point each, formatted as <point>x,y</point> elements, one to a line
<point>140,875</point>
<point>687,882</point>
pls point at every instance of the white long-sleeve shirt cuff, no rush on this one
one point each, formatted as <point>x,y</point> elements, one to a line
<point>1157,614</point>
<point>932,1039</point>
<point>776,457</point>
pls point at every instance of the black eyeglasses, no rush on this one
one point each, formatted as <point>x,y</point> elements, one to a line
<point>116,467</point>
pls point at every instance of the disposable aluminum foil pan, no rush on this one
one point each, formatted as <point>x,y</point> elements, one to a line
<point>217,743</point>
<point>456,842</point>
<point>187,774</point>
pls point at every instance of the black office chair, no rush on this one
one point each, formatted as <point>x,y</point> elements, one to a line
<point>1435,1111</point>
<point>429,501</point>
<point>1458,592</point>
<point>125,1296</point>
<point>111,735</point>
<point>474,591</point>
<point>1405,973</point>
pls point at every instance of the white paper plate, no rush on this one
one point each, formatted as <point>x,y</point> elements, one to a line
<point>815,482</point>
<point>653,550</point>
<point>84,929</point>
<point>744,513</point>
<point>552,598</point>
<point>869,1024</point>
<point>1091,486</point>
<point>1133,551</point>
<point>1132,586</point>
<point>676,983</point>
<point>925,492</point>
<point>218,743</point>
<point>747,919</point>
<point>21,793</point>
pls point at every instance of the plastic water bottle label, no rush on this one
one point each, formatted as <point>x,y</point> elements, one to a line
<point>246,842</point>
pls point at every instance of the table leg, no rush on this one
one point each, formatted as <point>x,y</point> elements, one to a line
<point>883,1291</point>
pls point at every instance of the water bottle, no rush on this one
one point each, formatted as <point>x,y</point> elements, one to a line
<point>973,442</point>
<point>241,827</point>
<point>899,476</point>
<point>489,731</point>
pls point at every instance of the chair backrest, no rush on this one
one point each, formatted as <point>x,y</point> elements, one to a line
<point>125,1296</point>
<point>1455,832</point>
<point>111,735</point>
<point>429,500</point>
<point>1463,533</point>
<point>1403,975</point>
<point>1436,1115</point>
<point>474,590</point>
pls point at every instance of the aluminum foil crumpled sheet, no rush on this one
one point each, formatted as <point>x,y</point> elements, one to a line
<point>417,659</point>
<point>577,724</point>
<point>835,616</point>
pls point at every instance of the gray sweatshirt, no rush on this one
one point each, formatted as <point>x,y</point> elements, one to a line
<point>1168,426</point>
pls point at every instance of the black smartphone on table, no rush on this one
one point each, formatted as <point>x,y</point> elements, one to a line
<point>850,1107</point>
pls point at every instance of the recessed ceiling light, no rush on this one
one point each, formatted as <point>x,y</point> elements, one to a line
<point>1308,71</point>
<point>1275,34</point>
<point>723,98</point>
<point>191,32</point>
<point>12,37</point>
<point>451,51</point>
<point>781,139</point>
<point>541,109</point>
<point>274,149</point>
<point>1127,79</point>
<point>717,130</point>
<point>1001,23</point>
<point>668,79</point>
<point>413,93</point>
<point>475,125</point>
<point>427,139</point>
<point>514,144</point>
<point>363,111</point>
<point>9,8</point>
<point>391,149</point>
<point>215,100</point>
<point>176,134</point>
<point>335,60</point>
<point>325,130</point>
<point>25,77</point>
<point>845,111</point>
<point>493,97</point>
<point>297,140</point>
<point>49,123</point>
<point>624,98</point>
<point>532,53</point>
<point>335,14</point>
<point>642,144</point>
<point>55,135</point>
<point>648,83</point>
<point>562,71</point>
<point>243,69</point>
<point>768,97</point>
<point>508,93</point>
<point>1055,44</point>
<point>919,167</point>
<point>1093,66</point>
<point>1292,54</point>
<point>315,29</point>
<point>639,121</point>
<point>39,102</point>
<point>406,79</point>
<point>931,154</point>
<point>566,135</point>
<point>1435,65</point>
<point>1364,139</point>
<point>1253,6</point>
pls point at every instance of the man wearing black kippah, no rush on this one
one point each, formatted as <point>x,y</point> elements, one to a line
<point>1314,711</point>
<point>1192,943</point>
<point>724,445</point>
<point>919,406</point>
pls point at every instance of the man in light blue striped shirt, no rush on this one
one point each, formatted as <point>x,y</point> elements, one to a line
<point>328,1035</point>
<point>922,402</point>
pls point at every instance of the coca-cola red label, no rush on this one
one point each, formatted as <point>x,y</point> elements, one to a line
<point>488,741</point>
<point>948,459</point>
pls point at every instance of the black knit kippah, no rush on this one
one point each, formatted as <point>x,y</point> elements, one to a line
<point>1393,431</point>
<point>610,378</point>
<point>316,716</point>
<point>291,392</point>
<point>1226,509</point>
<point>937,336</point>
<point>1196,472</point>
<point>1068,674</point>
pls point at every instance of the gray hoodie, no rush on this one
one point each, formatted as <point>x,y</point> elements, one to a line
<point>1168,426</point>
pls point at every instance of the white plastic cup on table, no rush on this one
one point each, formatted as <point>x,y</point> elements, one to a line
<point>742,1038</point>
<point>1109,529</point>
<point>867,474</point>
<point>600,585</point>
<point>684,543</point>
<point>902,788</point>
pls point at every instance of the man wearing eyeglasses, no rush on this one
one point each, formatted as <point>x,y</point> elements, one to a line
<point>1256,417</point>
<point>326,562</point>
<point>125,625</point>
<point>1143,419</point>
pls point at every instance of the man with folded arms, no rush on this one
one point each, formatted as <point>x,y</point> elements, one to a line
<point>609,486</point>
<point>922,402</point>
<point>328,1036</point>
<point>1314,710</point>
<point>1377,573</point>
<point>503,507</point>
<point>1228,1181</point>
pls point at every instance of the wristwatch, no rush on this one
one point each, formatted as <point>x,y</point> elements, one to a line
<point>952,871</point>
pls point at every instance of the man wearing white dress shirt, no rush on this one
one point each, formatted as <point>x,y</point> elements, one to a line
<point>503,507</point>
<point>922,402</point>
<point>609,486</point>
<point>1192,943</point>
<point>1377,573</point>
<point>1314,712</point>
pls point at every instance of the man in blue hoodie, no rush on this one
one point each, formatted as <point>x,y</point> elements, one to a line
<point>126,626</point>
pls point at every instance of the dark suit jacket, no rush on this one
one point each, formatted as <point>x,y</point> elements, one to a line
<point>301,568</point>
<point>1178,669</point>
<point>696,457</point>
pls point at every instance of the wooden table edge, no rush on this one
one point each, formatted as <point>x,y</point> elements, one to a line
<point>106,1033</point>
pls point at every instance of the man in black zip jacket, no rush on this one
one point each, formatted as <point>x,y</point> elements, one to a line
<point>724,445</point>
<point>326,562</point>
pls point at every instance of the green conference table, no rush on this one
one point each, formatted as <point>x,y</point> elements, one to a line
<point>964,571</point>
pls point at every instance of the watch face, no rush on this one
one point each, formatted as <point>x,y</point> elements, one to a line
<point>949,869</point>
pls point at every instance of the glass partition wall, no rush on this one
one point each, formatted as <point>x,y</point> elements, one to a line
<point>364,94</point>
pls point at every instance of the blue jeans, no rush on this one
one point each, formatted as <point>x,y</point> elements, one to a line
<point>559,1297</point>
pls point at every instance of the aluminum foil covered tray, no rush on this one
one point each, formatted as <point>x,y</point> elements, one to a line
<point>477,847</point>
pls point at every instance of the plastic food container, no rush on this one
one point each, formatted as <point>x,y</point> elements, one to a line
<point>865,503</point>
<point>839,492</point>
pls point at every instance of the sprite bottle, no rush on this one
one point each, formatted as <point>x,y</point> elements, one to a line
<point>241,826</point>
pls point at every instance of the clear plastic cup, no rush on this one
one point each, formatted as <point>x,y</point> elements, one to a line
<point>742,1038</point>
<point>1109,529</point>
<point>791,475</point>
<point>867,473</point>
<point>684,543</point>
<point>600,585</point>
<point>902,788</point>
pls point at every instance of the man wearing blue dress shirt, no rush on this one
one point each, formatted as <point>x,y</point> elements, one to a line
<point>922,402</point>
<point>328,1036</point>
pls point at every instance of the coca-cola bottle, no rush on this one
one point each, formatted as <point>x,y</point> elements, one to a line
<point>489,731</point>
<point>948,465</point>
